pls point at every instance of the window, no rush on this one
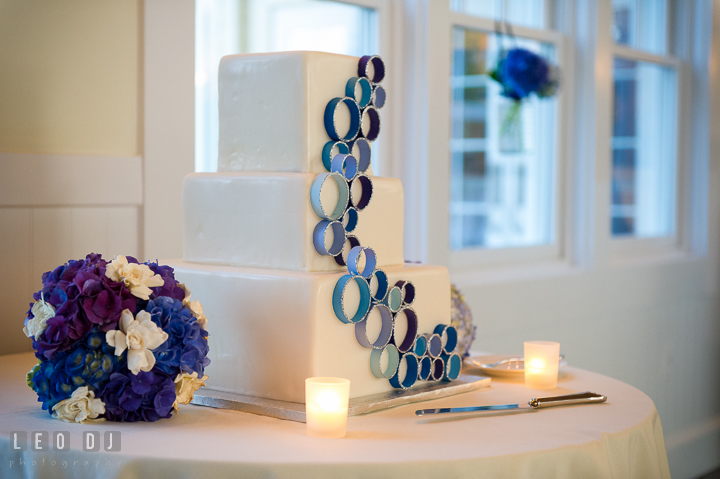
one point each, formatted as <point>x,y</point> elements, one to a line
<point>226,27</point>
<point>502,176</point>
<point>641,24</point>
<point>527,13</point>
<point>643,149</point>
<point>504,187</point>
<point>644,178</point>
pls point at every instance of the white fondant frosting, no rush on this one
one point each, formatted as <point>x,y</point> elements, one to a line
<point>266,220</point>
<point>248,235</point>
<point>271,329</point>
<point>271,108</point>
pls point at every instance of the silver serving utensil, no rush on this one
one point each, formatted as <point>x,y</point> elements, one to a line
<point>503,361</point>
<point>535,403</point>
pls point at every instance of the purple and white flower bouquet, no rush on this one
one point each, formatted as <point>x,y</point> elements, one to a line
<point>118,340</point>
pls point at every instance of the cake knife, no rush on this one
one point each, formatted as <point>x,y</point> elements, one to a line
<point>535,403</point>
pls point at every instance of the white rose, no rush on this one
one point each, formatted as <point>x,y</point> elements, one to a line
<point>186,299</point>
<point>139,336</point>
<point>185,387</point>
<point>138,278</point>
<point>194,306</point>
<point>41,311</point>
<point>79,407</point>
<point>197,311</point>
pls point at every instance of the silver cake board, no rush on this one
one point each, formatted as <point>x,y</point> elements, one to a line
<point>293,411</point>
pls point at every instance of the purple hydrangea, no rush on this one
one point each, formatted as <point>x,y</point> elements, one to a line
<point>83,297</point>
<point>170,286</point>
<point>187,347</point>
<point>147,396</point>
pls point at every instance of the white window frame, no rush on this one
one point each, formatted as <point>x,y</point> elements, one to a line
<point>630,249</point>
<point>427,203</point>
<point>585,50</point>
<point>472,258</point>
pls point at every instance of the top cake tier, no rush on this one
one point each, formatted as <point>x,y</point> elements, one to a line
<point>272,108</point>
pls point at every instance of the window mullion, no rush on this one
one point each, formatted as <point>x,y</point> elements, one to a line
<point>640,55</point>
<point>603,79</point>
<point>488,25</point>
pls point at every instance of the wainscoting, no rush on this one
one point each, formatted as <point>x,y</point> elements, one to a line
<point>54,208</point>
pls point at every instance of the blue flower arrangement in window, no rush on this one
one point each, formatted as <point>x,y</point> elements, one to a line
<point>522,73</point>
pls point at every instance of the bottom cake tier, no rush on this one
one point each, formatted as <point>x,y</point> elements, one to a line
<point>271,329</point>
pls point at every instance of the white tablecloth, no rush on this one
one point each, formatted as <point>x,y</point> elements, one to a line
<point>619,439</point>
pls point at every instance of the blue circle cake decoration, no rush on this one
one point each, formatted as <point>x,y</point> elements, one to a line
<point>327,151</point>
<point>340,257</point>
<point>339,300</point>
<point>347,157</point>
<point>360,149</point>
<point>411,373</point>
<point>386,328</point>
<point>367,90</point>
<point>393,362</point>
<point>330,120</point>
<point>320,233</point>
<point>316,196</point>
<point>424,368</point>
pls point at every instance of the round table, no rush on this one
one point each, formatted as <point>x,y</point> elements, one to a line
<point>620,438</point>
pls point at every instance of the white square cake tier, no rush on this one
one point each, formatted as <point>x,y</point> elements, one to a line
<point>266,220</point>
<point>272,107</point>
<point>272,329</point>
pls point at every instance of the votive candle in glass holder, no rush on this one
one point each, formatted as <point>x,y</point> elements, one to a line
<point>541,364</point>
<point>326,406</point>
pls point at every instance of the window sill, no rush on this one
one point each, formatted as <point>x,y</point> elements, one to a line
<point>512,274</point>
<point>640,255</point>
<point>647,251</point>
<point>653,258</point>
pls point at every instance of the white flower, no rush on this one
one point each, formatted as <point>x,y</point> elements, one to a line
<point>186,299</point>
<point>194,306</point>
<point>138,278</point>
<point>139,336</point>
<point>41,311</point>
<point>197,311</point>
<point>79,407</point>
<point>185,386</point>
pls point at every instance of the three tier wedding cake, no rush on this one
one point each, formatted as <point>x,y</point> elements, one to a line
<point>296,248</point>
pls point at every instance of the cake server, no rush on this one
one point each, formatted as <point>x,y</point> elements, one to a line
<point>535,403</point>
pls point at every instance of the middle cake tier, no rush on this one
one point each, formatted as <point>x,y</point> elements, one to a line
<point>266,220</point>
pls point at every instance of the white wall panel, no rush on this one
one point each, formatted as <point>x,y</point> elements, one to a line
<point>36,240</point>
<point>41,180</point>
<point>169,121</point>
<point>15,283</point>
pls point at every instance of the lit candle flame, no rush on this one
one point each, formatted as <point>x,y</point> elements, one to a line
<point>328,401</point>
<point>537,364</point>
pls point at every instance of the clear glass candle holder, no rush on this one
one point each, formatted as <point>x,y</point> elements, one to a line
<point>542,359</point>
<point>326,406</point>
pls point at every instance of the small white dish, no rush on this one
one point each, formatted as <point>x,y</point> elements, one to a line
<point>502,365</point>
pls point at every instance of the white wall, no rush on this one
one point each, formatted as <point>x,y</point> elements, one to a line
<point>70,170</point>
